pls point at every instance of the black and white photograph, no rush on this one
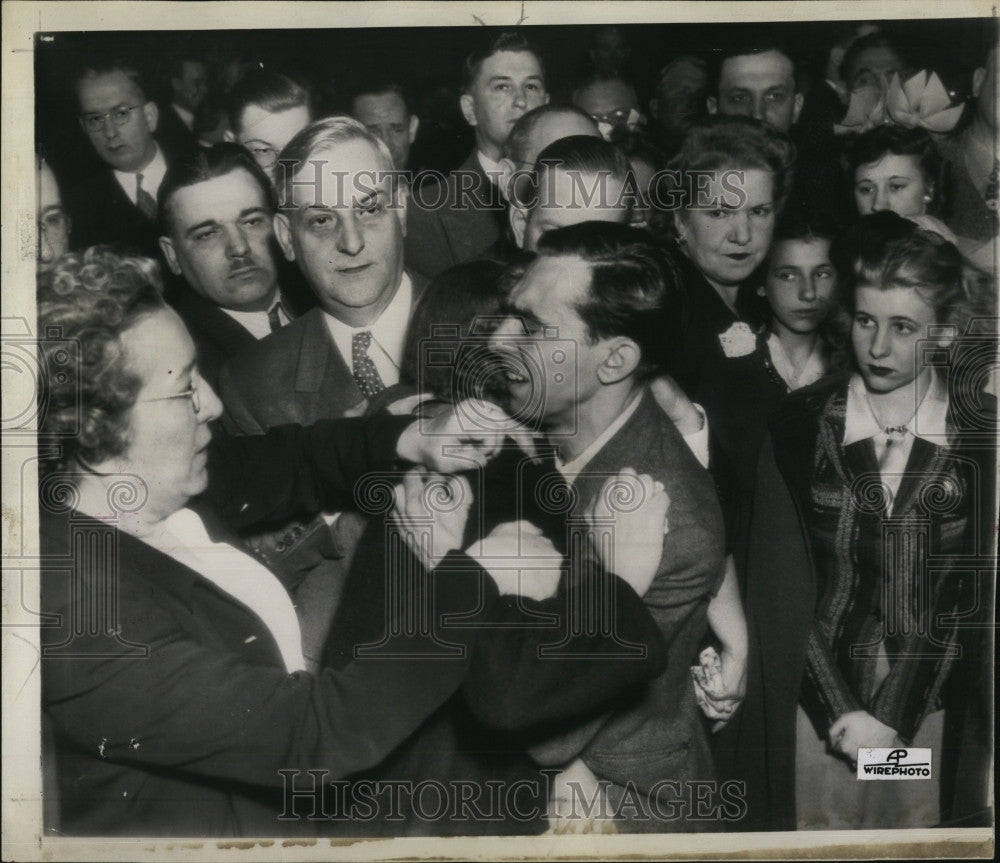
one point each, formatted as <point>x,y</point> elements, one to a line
<point>499,430</point>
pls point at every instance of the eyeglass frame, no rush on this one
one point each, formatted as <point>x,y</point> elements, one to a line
<point>190,393</point>
<point>95,122</point>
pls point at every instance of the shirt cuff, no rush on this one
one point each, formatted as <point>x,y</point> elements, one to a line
<point>698,441</point>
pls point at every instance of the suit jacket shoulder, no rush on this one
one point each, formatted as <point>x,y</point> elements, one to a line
<point>102,213</point>
<point>217,336</point>
<point>294,375</point>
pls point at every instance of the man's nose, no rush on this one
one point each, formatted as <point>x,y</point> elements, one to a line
<point>351,239</point>
<point>109,128</point>
<point>520,98</point>
<point>236,242</point>
<point>509,326</point>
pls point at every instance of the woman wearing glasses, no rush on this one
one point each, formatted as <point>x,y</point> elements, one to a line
<point>173,678</point>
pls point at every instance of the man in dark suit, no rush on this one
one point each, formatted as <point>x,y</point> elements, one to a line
<point>613,298</point>
<point>118,204</point>
<point>341,219</point>
<point>217,210</point>
<point>455,221</point>
<point>760,78</point>
<point>188,89</point>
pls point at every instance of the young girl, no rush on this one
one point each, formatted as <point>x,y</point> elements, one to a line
<point>884,477</point>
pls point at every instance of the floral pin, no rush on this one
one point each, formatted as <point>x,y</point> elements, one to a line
<point>738,341</point>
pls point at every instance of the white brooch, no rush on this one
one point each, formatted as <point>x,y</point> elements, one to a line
<point>738,341</point>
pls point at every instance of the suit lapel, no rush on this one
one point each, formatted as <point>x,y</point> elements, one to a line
<point>322,370</point>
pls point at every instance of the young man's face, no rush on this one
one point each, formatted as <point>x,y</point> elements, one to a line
<point>118,120</point>
<point>346,230</point>
<point>220,241</point>
<point>386,117</point>
<point>761,86</point>
<point>549,358</point>
<point>265,133</point>
<point>509,84</point>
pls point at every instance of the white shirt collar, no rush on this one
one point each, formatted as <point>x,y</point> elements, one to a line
<point>182,535</point>
<point>257,323</point>
<point>929,422</point>
<point>388,333</point>
<point>492,169</point>
<point>574,467</point>
<point>152,176</point>
<point>187,117</point>
<point>811,371</point>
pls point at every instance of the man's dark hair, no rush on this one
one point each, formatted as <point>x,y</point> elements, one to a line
<point>762,45</point>
<point>510,40</point>
<point>379,88</point>
<point>108,65</point>
<point>207,163</point>
<point>271,91</point>
<point>520,132</point>
<point>635,288</point>
<point>879,39</point>
<point>580,154</point>
<point>176,61</point>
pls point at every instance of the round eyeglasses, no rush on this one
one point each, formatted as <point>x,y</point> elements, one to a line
<point>119,116</point>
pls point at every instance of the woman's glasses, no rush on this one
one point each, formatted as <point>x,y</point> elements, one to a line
<point>190,393</point>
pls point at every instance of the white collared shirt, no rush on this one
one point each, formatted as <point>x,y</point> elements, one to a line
<point>388,334</point>
<point>492,169</point>
<point>152,176</point>
<point>187,118</point>
<point>812,369</point>
<point>575,466</point>
<point>929,423</point>
<point>182,535</point>
<point>257,323</point>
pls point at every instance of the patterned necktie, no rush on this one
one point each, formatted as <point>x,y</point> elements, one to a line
<point>272,317</point>
<point>365,374</point>
<point>143,200</point>
<point>992,192</point>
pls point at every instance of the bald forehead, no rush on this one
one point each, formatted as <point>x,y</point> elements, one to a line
<point>341,173</point>
<point>556,126</point>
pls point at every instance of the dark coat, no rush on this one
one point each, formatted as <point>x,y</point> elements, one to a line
<point>659,734</point>
<point>174,715</point>
<point>101,212</point>
<point>784,583</point>
<point>442,233</point>
<point>538,670</point>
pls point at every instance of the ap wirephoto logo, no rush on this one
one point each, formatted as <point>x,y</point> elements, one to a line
<point>894,764</point>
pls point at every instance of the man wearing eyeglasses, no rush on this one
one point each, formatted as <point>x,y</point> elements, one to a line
<point>118,204</point>
<point>266,110</point>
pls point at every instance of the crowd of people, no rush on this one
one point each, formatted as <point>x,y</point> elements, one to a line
<point>636,474</point>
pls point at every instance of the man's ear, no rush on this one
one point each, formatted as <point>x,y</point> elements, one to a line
<point>414,125</point>
<point>170,254</point>
<point>761,292</point>
<point>712,104</point>
<point>978,79</point>
<point>622,359</point>
<point>518,219</point>
<point>229,136</point>
<point>152,114</point>
<point>680,227</point>
<point>283,234</point>
<point>468,106</point>
<point>797,109</point>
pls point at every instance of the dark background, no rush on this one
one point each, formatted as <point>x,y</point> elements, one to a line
<point>428,63</point>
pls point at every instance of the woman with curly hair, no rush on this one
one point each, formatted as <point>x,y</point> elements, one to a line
<point>874,496</point>
<point>173,678</point>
